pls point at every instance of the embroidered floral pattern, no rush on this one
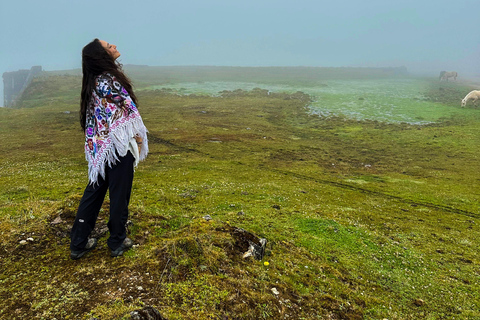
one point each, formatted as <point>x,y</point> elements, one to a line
<point>112,120</point>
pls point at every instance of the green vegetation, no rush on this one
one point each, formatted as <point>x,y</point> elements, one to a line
<point>365,219</point>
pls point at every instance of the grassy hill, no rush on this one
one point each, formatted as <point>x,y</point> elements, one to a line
<point>363,219</point>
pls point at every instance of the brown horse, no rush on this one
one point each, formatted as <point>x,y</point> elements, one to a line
<point>444,75</point>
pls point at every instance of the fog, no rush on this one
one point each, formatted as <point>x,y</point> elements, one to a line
<point>426,36</point>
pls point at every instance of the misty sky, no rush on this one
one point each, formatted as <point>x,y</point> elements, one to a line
<point>426,36</point>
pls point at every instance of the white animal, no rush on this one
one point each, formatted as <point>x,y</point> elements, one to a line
<point>472,95</point>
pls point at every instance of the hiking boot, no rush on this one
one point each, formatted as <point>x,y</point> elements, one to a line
<point>91,244</point>
<point>126,244</point>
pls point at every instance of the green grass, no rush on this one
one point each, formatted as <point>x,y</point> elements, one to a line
<point>388,100</point>
<point>365,219</point>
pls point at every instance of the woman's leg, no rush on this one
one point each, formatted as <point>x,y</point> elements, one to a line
<point>120,187</point>
<point>87,213</point>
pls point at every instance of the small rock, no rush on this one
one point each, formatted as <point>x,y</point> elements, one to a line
<point>275,291</point>
<point>23,242</point>
<point>140,288</point>
<point>146,313</point>
<point>57,220</point>
<point>207,217</point>
<point>30,239</point>
<point>255,250</point>
<point>418,302</point>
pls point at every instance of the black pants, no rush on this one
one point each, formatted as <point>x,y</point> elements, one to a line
<point>118,180</point>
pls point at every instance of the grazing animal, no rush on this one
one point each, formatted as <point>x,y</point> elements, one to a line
<point>472,95</point>
<point>444,75</point>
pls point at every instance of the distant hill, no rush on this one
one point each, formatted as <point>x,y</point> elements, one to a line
<point>305,75</point>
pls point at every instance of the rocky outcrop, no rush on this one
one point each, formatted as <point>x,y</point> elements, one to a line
<point>14,83</point>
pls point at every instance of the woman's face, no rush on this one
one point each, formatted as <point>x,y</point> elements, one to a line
<point>111,49</point>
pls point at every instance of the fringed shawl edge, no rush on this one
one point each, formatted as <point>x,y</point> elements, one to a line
<point>118,146</point>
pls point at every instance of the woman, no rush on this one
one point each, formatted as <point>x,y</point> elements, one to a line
<point>115,141</point>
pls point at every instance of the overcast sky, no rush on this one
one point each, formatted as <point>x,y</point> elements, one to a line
<point>426,36</point>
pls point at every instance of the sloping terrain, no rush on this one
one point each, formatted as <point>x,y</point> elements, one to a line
<point>363,219</point>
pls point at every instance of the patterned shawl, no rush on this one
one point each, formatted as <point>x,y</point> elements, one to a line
<point>112,120</point>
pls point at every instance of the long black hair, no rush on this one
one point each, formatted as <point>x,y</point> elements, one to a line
<point>95,61</point>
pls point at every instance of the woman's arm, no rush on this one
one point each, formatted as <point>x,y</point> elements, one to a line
<point>139,142</point>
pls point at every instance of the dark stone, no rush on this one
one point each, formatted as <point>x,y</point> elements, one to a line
<point>249,244</point>
<point>147,313</point>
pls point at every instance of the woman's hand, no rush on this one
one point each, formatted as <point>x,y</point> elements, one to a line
<point>139,142</point>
